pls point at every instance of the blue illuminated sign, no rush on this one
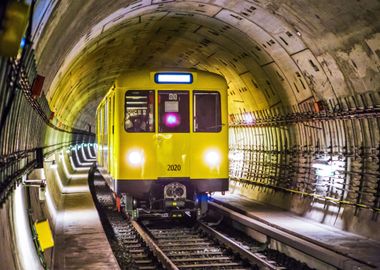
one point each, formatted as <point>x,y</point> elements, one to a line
<point>173,78</point>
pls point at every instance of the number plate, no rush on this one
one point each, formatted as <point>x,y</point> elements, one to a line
<point>174,167</point>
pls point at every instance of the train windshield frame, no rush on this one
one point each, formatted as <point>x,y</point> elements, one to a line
<point>173,111</point>
<point>139,111</point>
<point>207,111</point>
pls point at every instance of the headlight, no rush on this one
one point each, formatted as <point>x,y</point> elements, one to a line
<point>212,158</point>
<point>135,158</point>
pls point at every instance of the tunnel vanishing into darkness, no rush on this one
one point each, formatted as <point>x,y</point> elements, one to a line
<point>303,98</point>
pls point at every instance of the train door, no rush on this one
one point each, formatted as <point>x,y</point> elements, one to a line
<point>111,133</point>
<point>209,156</point>
<point>105,134</point>
<point>101,136</point>
<point>173,142</point>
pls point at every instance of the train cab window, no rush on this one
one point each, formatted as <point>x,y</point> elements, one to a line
<point>139,111</point>
<point>207,115</point>
<point>173,111</point>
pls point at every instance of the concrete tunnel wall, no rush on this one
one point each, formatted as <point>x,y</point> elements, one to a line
<point>25,207</point>
<point>303,77</point>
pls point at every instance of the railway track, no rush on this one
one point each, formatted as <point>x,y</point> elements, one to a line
<point>176,245</point>
<point>191,248</point>
<point>129,248</point>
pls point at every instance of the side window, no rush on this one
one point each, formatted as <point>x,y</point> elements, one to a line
<point>207,114</point>
<point>105,117</point>
<point>173,111</point>
<point>139,111</point>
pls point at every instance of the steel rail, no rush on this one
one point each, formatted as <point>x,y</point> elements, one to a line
<point>244,253</point>
<point>307,247</point>
<point>181,247</point>
<point>157,251</point>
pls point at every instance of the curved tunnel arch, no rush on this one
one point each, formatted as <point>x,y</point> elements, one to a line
<point>303,77</point>
<point>284,61</point>
<point>250,39</point>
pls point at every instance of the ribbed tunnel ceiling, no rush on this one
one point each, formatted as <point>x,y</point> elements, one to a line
<point>272,53</point>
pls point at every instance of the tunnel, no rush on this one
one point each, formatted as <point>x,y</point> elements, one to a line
<point>303,100</point>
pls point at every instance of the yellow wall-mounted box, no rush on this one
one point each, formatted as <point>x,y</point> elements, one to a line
<point>45,237</point>
<point>14,23</point>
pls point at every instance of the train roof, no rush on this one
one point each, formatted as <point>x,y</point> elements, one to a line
<point>144,78</point>
<point>147,75</point>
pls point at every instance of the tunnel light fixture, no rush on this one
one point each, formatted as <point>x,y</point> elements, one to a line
<point>248,119</point>
<point>325,169</point>
<point>173,78</point>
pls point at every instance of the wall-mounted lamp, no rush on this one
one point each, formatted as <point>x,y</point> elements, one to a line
<point>37,183</point>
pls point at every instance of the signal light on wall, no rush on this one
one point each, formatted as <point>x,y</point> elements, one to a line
<point>319,106</point>
<point>173,78</point>
<point>23,43</point>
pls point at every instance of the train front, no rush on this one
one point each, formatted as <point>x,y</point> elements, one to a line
<point>177,144</point>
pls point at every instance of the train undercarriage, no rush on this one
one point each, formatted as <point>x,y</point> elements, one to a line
<point>175,203</point>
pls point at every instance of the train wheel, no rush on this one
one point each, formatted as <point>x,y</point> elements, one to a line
<point>118,203</point>
<point>129,206</point>
<point>202,205</point>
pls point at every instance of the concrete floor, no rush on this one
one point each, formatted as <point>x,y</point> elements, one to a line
<point>80,242</point>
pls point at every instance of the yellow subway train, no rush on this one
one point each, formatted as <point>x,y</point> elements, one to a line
<point>163,141</point>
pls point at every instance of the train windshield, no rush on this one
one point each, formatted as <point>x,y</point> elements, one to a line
<point>139,111</point>
<point>173,111</point>
<point>207,116</point>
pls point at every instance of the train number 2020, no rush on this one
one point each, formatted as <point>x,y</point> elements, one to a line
<point>174,167</point>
